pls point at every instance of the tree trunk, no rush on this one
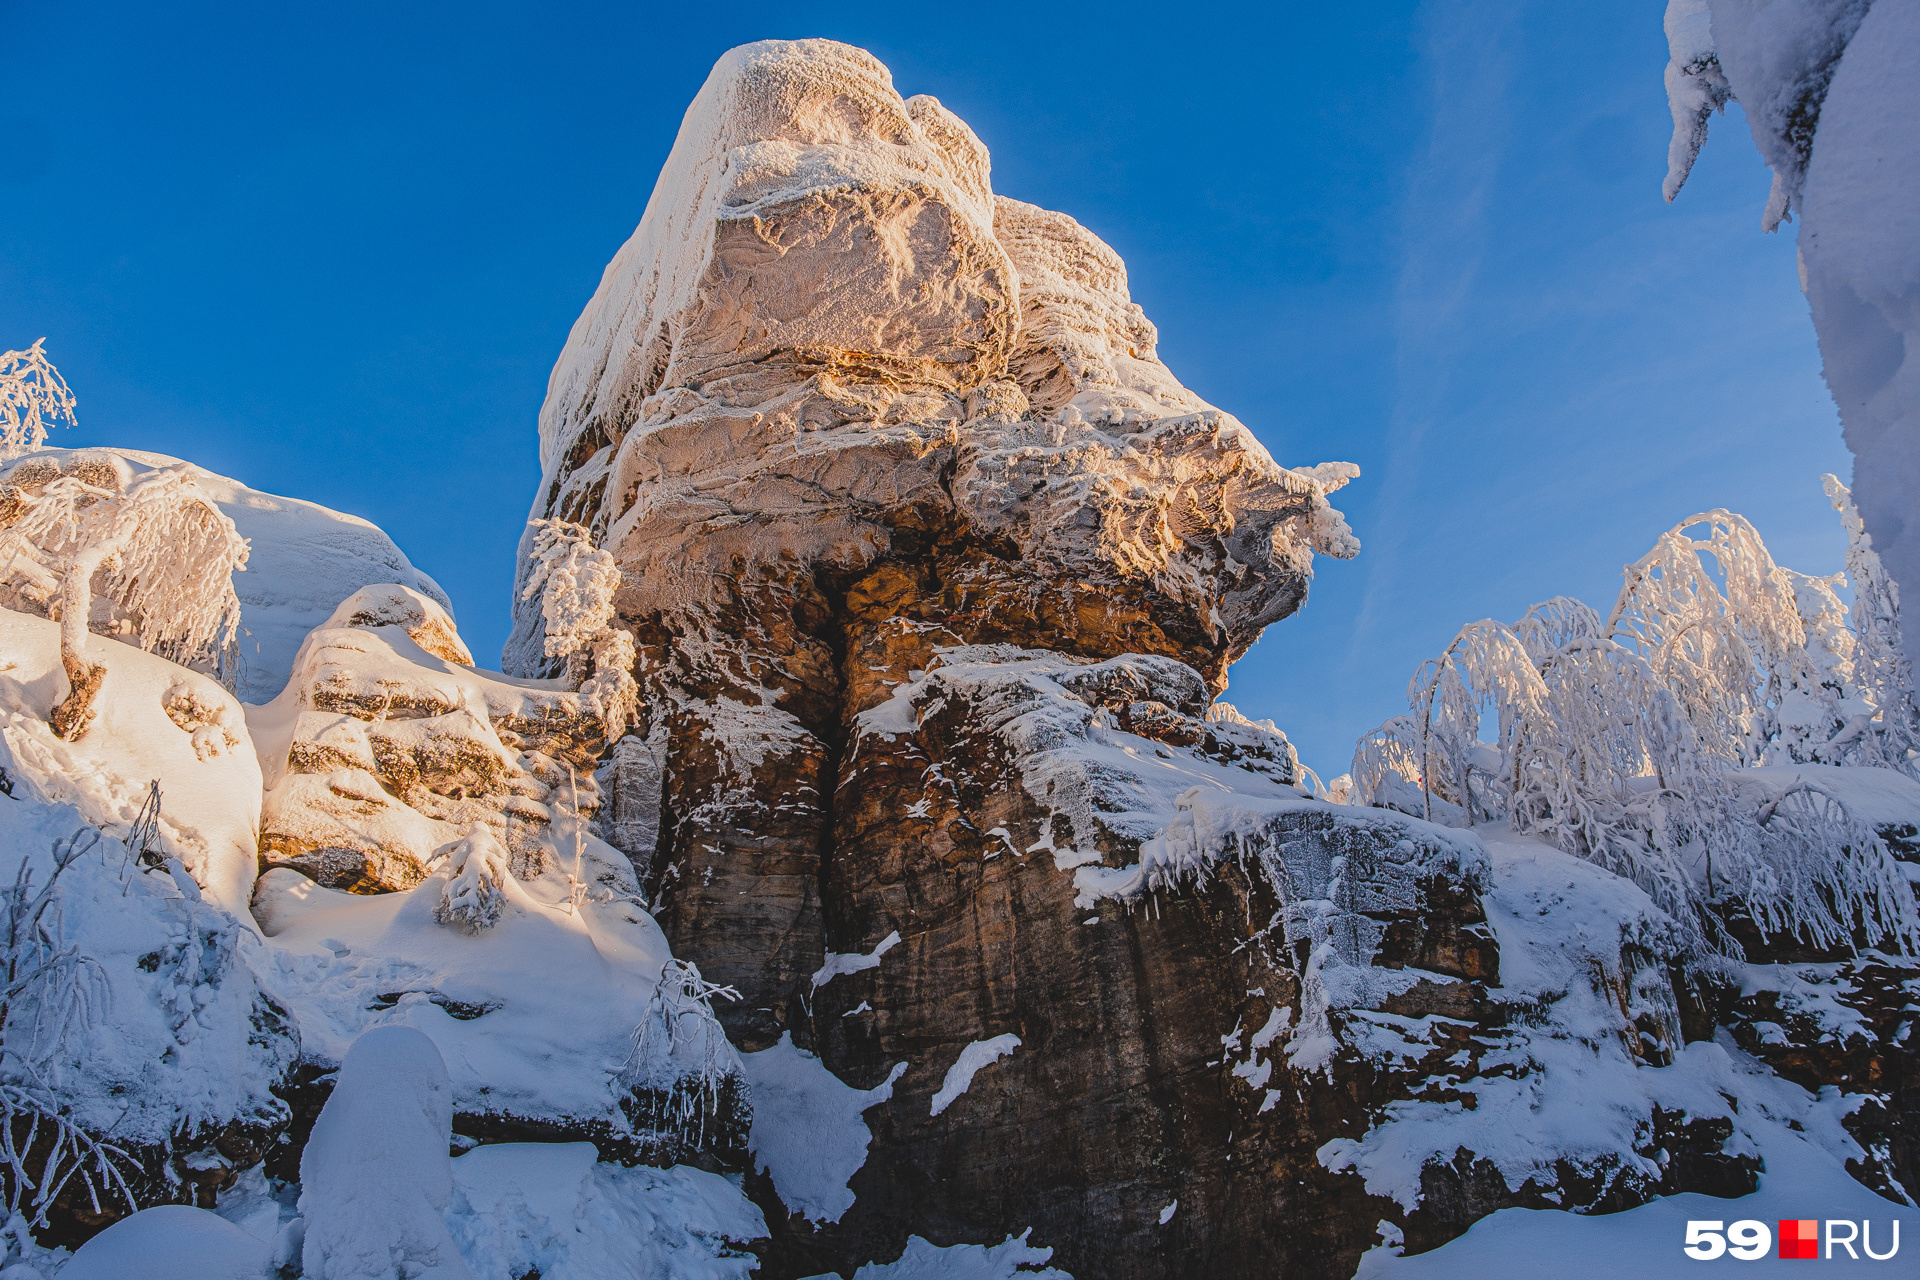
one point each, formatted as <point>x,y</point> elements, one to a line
<point>71,718</point>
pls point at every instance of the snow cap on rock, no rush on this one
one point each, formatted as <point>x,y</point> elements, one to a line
<point>375,1177</point>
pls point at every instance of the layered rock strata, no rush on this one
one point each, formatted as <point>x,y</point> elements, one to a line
<point>387,745</point>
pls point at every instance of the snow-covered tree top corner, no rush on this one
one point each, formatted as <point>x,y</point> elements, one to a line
<point>33,397</point>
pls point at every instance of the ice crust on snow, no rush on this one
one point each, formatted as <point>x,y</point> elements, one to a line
<point>807,1131</point>
<point>975,1058</point>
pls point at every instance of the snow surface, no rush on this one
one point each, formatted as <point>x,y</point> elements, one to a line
<point>1012,1259</point>
<point>210,790</point>
<point>1879,797</point>
<point>303,559</point>
<point>1805,1176</point>
<point>522,1208</point>
<point>807,1131</point>
<point>973,1059</point>
<point>170,1242</point>
<point>560,992</point>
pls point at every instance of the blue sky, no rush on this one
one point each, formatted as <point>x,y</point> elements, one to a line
<point>333,251</point>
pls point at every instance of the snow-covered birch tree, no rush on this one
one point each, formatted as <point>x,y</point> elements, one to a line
<point>156,547</point>
<point>33,397</point>
<point>1626,741</point>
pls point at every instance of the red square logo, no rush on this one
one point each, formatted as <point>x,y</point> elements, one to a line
<point>1799,1238</point>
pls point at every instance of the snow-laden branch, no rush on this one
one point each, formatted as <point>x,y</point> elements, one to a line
<point>574,582</point>
<point>33,397</point>
<point>52,992</point>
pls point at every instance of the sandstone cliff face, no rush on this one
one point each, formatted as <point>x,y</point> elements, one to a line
<point>934,571</point>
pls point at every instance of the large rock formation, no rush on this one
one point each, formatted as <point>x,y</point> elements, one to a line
<point>833,406</point>
<point>934,569</point>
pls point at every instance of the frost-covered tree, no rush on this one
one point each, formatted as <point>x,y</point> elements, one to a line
<point>1888,727</point>
<point>1725,647</point>
<point>33,397</point>
<point>156,547</point>
<point>51,991</point>
<point>575,581</point>
<point>1623,740</point>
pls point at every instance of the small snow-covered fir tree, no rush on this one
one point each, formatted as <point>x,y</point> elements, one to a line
<point>575,582</point>
<point>159,550</point>
<point>33,397</point>
<point>477,873</point>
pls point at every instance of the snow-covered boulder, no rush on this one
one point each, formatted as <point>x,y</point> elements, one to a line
<point>171,1242</point>
<point>375,1179</point>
